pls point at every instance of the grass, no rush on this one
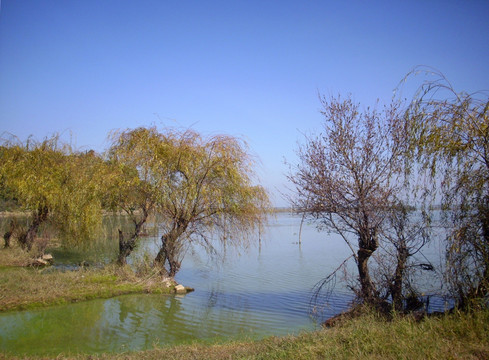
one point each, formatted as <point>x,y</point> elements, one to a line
<point>27,287</point>
<point>452,336</point>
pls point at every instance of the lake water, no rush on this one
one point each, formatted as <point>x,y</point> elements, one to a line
<point>264,291</point>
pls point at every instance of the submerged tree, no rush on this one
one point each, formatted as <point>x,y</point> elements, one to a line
<point>449,134</point>
<point>200,188</point>
<point>346,179</point>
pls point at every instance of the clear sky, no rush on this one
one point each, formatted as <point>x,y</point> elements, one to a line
<point>246,68</point>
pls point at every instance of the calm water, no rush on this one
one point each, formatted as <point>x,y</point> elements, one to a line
<point>257,293</point>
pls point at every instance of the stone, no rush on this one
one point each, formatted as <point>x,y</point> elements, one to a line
<point>39,262</point>
<point>180,289</point>
<point>48,258</point>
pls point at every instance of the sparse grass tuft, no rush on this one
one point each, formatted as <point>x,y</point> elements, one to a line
<point>13,257</point>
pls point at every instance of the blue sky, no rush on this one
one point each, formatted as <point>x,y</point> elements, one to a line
<point>246,68</point>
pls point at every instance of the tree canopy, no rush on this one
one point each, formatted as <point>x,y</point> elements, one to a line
<point>200,188</point>
<point>346,178</point>
<point>449,137</point>
<point>55,185</point>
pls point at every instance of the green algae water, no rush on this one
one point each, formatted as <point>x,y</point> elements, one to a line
<point>253,294</point>
<point>119,324</point>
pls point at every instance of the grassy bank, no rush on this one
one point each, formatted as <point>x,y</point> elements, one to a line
<point>454,336</point>
<point>27,287</point>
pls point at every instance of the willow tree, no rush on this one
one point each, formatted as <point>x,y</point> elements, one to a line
<point>208,191</point>
<point>134,187</point>
<point>201,189</point>
<point>55,185</point>
<point>449,134</point>
<point>345,179</point>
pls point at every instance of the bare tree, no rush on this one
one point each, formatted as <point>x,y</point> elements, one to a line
<point>346,178</point>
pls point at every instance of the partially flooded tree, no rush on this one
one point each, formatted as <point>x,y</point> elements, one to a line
<point>30,173</point>
<point>405,233</point>
<point>200,188</point>
<point>207,194</point>
<point>346,179</point>
<point>78,215</point>
<point>449,134</point>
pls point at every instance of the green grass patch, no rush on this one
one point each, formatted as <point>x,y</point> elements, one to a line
<point>24,288</point>
<point>101,279</point>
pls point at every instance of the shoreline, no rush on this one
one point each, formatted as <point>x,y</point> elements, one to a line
<point>452,336</point>
<point>28,287</point>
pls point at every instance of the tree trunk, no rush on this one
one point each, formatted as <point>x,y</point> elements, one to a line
<point>127,246</point>
<point>8,235</point>
<point>368,243</point>
<point>168,254</point>
<point>483,287</point>
<point>367,290</point>
<point>170,250</point>
<point>27,238</point>
<point>480,290</point>
<point>397,283</point>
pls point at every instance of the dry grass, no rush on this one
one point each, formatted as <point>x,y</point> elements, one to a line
<point>460,336</point>
<point>13,257</point>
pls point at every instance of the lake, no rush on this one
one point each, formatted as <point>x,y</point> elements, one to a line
<point>264,291</point>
